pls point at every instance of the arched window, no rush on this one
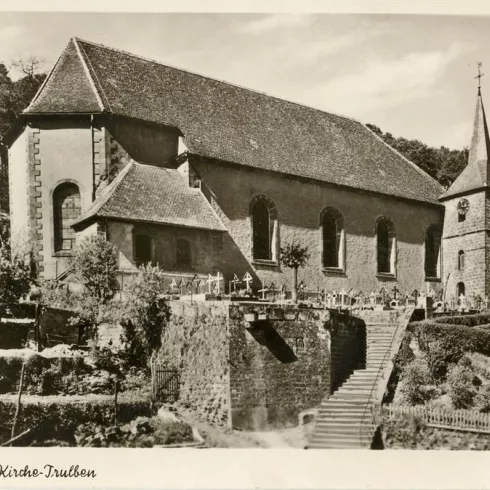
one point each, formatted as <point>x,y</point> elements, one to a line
<point>460,289</point>
<point>432,251</point>
<point>183,253</point>
<point>385,246</point>
<point>461,261</point>
<point>263,217</point>
<point>332,227</point>
<point>66,210</point>
<point>143,249</point>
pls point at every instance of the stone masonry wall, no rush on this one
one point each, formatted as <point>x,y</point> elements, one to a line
<point>299,203</point>
<point>470,236</point>
<point>279,366</point>
<point>196,342</point>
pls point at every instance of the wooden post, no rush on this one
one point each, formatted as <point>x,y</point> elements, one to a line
<point>17,410</point>
<point>116,389</point>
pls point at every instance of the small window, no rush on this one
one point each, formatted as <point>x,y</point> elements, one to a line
<point>263,217</point>
<point>143,249</point>
<point>461,260</point>
<point>183,253</point>
<point>460,289</point>
<point>461,217</point>
<point>386,246</point>
<point>66,210</point>
<point>332,225</point>
<point>432,251</point>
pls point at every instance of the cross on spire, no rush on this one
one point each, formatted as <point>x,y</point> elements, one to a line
<point>480,74</point>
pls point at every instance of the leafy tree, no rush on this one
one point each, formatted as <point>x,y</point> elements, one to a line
<point>15,275</point>
<point>294,256</point>
<point>15,96</point>
<point>146,315</point>
<point>94,264</point>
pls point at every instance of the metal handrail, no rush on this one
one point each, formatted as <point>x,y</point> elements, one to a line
<point>374,385</point>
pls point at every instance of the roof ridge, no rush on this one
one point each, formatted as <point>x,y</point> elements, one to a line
<point>107,193</point>
<point>419,170</point>
<point>236,85</point>
<point>89,75</point>
<point>45,82</point>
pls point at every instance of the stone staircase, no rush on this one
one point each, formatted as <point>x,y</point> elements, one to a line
<point>344,419</point>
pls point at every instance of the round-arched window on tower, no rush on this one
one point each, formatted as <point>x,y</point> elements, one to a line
<point>66,210</point>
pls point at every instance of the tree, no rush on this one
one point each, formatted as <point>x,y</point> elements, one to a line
<point>147,314</point>
<point>15,275</point>
<point>94,264</point>
<point>294,256</point>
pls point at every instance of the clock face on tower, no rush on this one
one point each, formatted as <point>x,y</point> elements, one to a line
<point>463,206</point>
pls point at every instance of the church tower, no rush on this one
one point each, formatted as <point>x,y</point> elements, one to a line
<point>466,235</point>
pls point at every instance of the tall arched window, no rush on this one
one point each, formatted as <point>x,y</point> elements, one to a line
<point>332,228</point>
<point>461,260</point>
<point>66,210</point>
<point>385,246</point>
<point>263,215</point>
<point>432,251</point>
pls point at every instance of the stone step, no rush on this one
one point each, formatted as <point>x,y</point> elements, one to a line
<point>353,431</point>
<point>347,439</point>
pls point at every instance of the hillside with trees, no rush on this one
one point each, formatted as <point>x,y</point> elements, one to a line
<point>442,164</point>
<point>15,96</point>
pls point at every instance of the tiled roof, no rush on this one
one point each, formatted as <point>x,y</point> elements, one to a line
<point>476,173</point>
<point>154,195</point>
<point>230,123</point>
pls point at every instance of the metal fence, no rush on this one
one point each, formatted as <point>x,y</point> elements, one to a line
<point>165,383</point>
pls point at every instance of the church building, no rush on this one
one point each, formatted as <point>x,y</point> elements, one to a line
<point>200,176</point>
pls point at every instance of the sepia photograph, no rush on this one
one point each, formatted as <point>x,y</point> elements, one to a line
<point>244,230</point>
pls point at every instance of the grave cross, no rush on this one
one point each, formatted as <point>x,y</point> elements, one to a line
<point>173,285</point>
<point>395,292</point>
<point>218,280</point>
<point>263,290</point>
<point>210,281</point>
<point>248,279</point>
<point>235,281</point>
<point>180,286</point>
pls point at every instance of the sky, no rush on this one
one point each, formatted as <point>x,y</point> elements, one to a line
<point>411,75</point>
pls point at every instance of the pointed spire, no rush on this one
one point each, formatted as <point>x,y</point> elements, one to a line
<point>476,175</point>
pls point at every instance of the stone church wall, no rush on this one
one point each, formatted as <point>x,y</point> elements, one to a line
<point>299,204</point>
<point>206,246</point>
<point>19,195</point>
<point>470,236</point>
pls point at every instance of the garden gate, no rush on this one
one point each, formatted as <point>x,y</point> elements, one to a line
<point>165,383</point>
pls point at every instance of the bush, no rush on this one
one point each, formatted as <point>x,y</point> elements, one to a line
<point>15,275</point>
<point>466,320</point>
<point>454,339</point>
<point>439,356</point>
<point>460,386</point>
<point>482,399</point>
<point>146,316</point>
<point>415,377</point>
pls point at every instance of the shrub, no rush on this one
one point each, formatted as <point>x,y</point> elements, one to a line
<point>460,386</point>
<point>415,376</point>
<point>15,275</point>
<point>146,316</point>
<point>94,264</point>
<point>466,320</point>
<point>438,358</point>
<point>294,256</point>
<point>482,399</point>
